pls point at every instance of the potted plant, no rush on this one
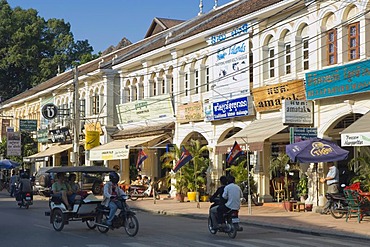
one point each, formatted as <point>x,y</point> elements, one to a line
<point>302,187</point>
<point>280,166</point>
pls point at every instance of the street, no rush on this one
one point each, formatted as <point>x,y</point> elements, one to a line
<point>22,227</point>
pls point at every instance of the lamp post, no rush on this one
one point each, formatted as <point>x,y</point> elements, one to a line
<point>76,120</point>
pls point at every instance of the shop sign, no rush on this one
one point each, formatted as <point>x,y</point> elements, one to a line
<point>60,135</point>
<point>355,139</point>
<point>228,109</point>
<point>156,107</point>
<point>13,143</point>
<point>94,127</point>
<point>191,112</point>
<point>338,81</point>
<point>229,73</point>
<point>297,112</point>
<point>270,98</point>
<point>42,136</point>
<point>92,139</point>
<point>114,154</point>
<point>27,125</point>
<point>298,134</point>
<point>229,34</point>
<point>5,123</point>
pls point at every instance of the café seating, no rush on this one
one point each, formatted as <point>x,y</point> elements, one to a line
<point>278,186</point>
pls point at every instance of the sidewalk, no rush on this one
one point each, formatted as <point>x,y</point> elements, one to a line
<point>270,214</point>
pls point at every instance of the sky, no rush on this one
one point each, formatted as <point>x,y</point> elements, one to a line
<point>105,22</point>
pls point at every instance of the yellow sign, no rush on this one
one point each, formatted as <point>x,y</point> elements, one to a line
<point>92,139</point>
<point>190,112</point>
<point>270,98</point>
<point>94,127</point>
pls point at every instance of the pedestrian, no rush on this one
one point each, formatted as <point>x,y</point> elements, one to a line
<point>13,183</point>
<point>332,180</point>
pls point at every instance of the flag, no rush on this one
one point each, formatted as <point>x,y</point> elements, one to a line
<point>235,152</point>
<point>140,159</point>
<point>185,158</point>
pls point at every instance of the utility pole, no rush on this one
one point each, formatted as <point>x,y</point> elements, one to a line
<point>76,120</point>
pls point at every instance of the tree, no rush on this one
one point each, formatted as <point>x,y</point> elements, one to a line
<point>33,50</point>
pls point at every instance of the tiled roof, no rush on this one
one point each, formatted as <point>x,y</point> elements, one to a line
<point>160,24</point>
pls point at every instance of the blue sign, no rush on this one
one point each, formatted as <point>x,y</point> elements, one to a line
<point>230,108</point>
<point>338,81</point>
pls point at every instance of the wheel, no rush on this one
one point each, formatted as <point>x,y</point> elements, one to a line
<point>58,220</point>
<point>131,225</point>
<point>232,232</point>
<point>337,210</point>
<point>99,219</point>
<point>91,223</point>
<point>210,226</point>
<point>134,195</point>
<point>97,188</point>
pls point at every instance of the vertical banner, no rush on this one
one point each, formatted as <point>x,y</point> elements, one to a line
<point>92,139</point>
<point>13,144</point>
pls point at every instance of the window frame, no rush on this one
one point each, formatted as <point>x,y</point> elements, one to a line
<point>356,37</point>
<point>333,43</point>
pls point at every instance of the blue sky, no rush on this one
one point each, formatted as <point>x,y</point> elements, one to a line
<point>106,22</point>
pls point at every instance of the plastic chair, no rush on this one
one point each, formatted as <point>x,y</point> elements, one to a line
<point>279,192</point>
<point>356,204</point>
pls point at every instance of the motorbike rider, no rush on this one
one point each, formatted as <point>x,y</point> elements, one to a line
<point>24,186</point>
<point>217,200</point>
<point>110,196</point>
<point>232,193</point>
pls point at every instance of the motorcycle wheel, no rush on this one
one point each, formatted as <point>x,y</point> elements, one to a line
<point>99,219</point>
<point>134,195</point>
<point>91,223</point>
<point>210,226</point>
<point>232,232</point>
<point>131,225</point>
<point>336,210</point>
<point>58,220</point>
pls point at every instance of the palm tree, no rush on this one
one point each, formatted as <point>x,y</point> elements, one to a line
<point>363,170</point>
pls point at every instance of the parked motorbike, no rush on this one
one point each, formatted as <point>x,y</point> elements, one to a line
<point>126,218</point>
<point>140,191</point>
<point>24,199</point>
<point>254,196</point>
<point>337,204</point>
<point>231,220</point>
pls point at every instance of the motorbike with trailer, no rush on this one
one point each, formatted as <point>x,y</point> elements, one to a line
<point>231,220</point>
<point>83,210</point>
<point>125,218</point>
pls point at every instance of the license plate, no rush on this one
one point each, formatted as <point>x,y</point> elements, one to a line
<point>28,198</point>
<point>235,220</point>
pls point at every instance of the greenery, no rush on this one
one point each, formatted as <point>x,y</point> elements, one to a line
<point>190,177</point>
<point>33,49</point>
<point>279,166</point>
<point>302,187</point>
<point>28,147</point>
<point>240,173</point>
<point>362,173</point>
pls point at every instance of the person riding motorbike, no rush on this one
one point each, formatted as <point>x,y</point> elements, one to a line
<point>232,193</point>
<point>24,186</point>
<point>217,200</point>
<point>110,196</point>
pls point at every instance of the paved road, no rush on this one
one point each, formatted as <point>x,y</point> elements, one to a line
<point>22,227</point>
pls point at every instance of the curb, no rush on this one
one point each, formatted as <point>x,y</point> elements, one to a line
<point>308,231</point>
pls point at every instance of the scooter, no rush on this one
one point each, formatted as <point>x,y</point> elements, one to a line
<point>338,206</point>
<point>126,218</point>
<point>231,219</point>
<point>140,191</point>
<point>24,199</point>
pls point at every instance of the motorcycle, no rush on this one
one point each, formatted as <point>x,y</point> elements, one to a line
<point>24,199</point>
<point>140,191</point>
<point>126,218</point>
<point>254,196</point>
<point>338,206</point>
<point>231,219</point>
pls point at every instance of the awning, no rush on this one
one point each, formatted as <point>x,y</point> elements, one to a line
<point>119,149</point>
<point>254,134</point>
<point>55,149</point>
<point>358,133</point>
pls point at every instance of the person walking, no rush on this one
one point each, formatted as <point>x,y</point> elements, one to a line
<point>332,180</point>
<point>13,183</point>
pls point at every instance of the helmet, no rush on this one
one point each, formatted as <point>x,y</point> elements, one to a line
<point>113,177</point>
<point>24,175</point>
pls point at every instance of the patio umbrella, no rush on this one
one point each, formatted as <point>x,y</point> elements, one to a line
<point>315,150</point>
<point>8,164</point>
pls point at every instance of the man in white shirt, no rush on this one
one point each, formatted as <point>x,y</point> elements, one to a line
<point>233,194</point>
